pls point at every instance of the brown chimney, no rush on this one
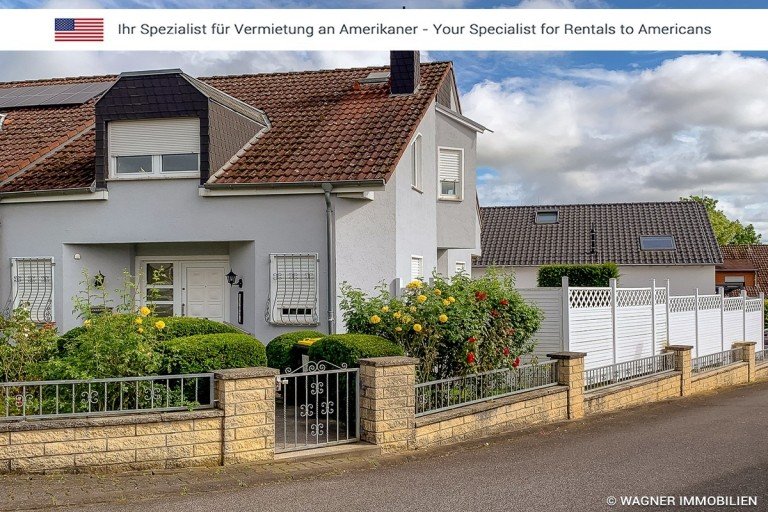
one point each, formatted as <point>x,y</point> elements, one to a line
<point>404,72</point>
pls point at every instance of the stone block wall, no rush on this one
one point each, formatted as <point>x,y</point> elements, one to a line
<point>633,393</point>
<point>731,375</point>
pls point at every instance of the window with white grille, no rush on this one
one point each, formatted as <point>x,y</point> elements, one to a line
<point>293,295</point>
<point>450,170</point>
<point>461,267</point>
<point>32,287</point>
<point>416,163</point>
<point>154,148</point>
<point>417,267</point>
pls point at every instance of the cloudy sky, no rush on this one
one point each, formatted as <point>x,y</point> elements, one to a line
<point>568,126</point>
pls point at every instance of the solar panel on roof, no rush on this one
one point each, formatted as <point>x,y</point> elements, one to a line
<point>47,95</point>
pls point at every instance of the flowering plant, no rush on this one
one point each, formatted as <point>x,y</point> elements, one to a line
<point>454,326</point>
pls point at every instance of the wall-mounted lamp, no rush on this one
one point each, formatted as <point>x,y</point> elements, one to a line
<point>231,279</point>
<point>98,280</point>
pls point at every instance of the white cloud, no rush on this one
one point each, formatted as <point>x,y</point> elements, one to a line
<point>697,123</point>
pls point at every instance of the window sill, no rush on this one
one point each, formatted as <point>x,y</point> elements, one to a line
<point>155,177</point>
<point>450,199</point>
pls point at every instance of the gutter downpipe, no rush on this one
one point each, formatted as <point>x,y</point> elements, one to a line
<point>331,283</point>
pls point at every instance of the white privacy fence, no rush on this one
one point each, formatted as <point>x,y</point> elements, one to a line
<point>613,325</point>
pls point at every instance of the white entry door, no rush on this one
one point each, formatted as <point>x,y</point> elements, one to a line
<point>204,292</point>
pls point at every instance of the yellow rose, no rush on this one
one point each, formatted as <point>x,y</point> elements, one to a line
<point>397,314</point>
<point>437,291</point>
<point>138,320</point>
<point>414,284</point>
<point>144,311</point>
<point>141,330</point>
<point>443,318</point>
<point>87,323</point>
<point>421,298</point>
<point>406,319</point>
<point>160,325</point>
<point>417,327</point>
<point>413,309</point>
<point>375,319</point>
<point>451,299</point>
<point>446,302</point>
<point>385,309</point>
<point>398,329</point>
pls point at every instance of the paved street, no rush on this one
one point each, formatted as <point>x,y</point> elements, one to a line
<point>703,446</point>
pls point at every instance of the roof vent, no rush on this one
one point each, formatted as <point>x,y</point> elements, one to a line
<point>2,120</point>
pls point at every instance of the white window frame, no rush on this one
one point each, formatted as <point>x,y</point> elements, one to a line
<point>180,264</point>
<point>274,314</point>
<point>461,267</point>
<point>460,186</point>
<point>417,163</point>
<point>421,265</point>
<point>18,301</point>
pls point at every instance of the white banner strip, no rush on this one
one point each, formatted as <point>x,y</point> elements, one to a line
<point>379,29</point>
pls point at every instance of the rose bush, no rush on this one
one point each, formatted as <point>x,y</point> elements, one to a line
<point>454,326</point>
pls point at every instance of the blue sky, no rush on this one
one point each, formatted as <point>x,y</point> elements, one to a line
<point>568,126</point>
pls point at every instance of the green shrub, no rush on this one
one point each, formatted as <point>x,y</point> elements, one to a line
<point>346,349</point>
<point>25,347</point>
<point>578,275</point>
<point>454,327</point>
<point>208,352</point>
<point>282,352</point>
<point>180,326</point>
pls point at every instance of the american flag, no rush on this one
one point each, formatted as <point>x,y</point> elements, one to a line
<point>79,29</point>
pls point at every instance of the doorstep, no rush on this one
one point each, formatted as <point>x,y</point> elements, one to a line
<point>340,450</point>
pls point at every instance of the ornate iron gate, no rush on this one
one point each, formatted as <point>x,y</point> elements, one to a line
<point>317,405</point>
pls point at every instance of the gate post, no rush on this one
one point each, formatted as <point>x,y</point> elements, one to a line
<point>748,356</point>
<point>682,365</point>
<point>388,402</point>
<point>247,397</point>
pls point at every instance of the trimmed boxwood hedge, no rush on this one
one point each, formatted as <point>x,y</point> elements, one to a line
<point>180,326</point>
<point>578,275</point>
<point>282,352</point>
<point>208,352</point>
<point>348,348</point>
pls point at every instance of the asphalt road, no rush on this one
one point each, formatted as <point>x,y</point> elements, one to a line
<point>703,446</point>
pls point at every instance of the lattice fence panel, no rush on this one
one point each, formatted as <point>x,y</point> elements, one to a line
<point>629,297</point>
<point>682,303</point>
<point>581,298</point>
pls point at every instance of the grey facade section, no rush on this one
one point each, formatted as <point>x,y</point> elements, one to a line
<point>457,221</point>
<point>229,132</point>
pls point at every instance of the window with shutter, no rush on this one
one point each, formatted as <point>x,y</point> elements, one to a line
<point>32,287</point>
<point>450,166</point>
<point>293,289</point>
<point>417,267</point>
<point>416,164</point>
<point>154,148</point>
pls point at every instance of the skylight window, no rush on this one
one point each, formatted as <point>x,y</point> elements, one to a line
<point>657,243</point>
<point>547,217</point>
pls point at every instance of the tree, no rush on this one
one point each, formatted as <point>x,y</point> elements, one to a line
<point>727,231</point>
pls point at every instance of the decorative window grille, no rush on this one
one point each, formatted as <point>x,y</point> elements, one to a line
<point>450,168</point>
<point>461,267</point>
<point>417,267</point>
<point>293,298</point>
<point>32,287</point>
<point>416,163</point>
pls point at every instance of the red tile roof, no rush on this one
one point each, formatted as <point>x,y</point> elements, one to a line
<point>325,127</point>
<point>757,255</point>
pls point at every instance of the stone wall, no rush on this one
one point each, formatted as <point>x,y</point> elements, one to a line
<point>514,412</point>
<point>240,429</point>
<point>761,371</point>
<point>633,393</point>
<point>731,375</point>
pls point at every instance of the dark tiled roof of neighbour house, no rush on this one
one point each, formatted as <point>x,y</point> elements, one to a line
<point>748,258</point>
<point>325,126</point>
<point>511,237</point>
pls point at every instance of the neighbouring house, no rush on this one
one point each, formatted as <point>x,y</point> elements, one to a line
<point>246,199</point>
<point>655,240</point>
<point>744,267</point>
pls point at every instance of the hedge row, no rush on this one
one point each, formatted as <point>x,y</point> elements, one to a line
<point>578,275</point>
<point>284,352</point>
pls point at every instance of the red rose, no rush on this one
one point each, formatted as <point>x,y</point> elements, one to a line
<point>506,351</point>
<point>471,358</point>
<point>494,313</point>
<point>481,296</point>
<point>516,362</point>
<point>504,302</point>
<point>471,339</point>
